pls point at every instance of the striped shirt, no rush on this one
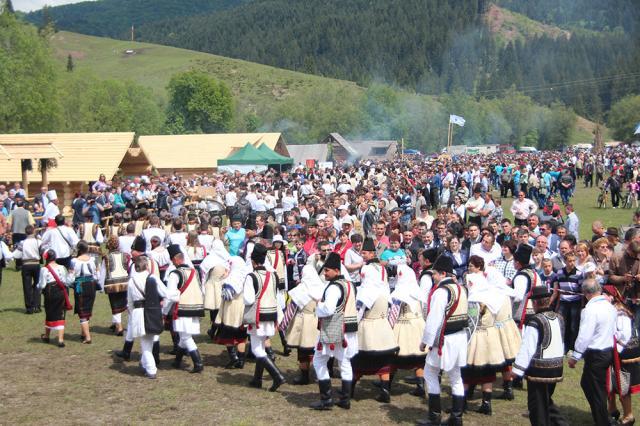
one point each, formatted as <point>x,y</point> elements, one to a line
<point>569,284</point>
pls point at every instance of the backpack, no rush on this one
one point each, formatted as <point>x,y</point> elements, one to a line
<point>243,209</point>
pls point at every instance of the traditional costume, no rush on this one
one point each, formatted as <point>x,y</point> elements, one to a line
<point>377,345</point>
<point>302,331</point>
<point>523,283</point>
<point>187,309</point>
<point>277,258</point>
<point>261,316</point>
<point>53,284</point>
<point>144,295</point>
<point>86,275</point>
<point>338,337</point>
<point>114,276</point>
<point>446,337</point>
<point>540,360</point>
<point>408,300</point>
<point>214,268</point>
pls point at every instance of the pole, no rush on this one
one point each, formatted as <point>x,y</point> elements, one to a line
<point>449,138</point>
<point>402,149</point>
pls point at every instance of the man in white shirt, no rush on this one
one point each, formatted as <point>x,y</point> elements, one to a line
<point>595,345</point>
<point>62,240</point>
<point>572,223</point>
<point>29,251</point>
<point>289,201</point>
<point>487,249</point>
<point>521,209</point>
<point>474,206</point>
<point>126,241</point>
<point>353,259</point>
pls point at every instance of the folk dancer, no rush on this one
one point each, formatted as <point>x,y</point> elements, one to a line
<point>229,328</point>
<point>338,337</point>
<point>277,257</point>
<point>302,331</point>
<point>626,361</point>
<point>261,316</point>
<point>540,359</point>
<point>53,282</point>
<point>187,309</point>
<point>144,295</point>
<point>214,268</point>
<point>408,300</point>
<point>113,278</point>
<point>377,345</point>
<point>445,338</point>
<point>86,275</point>
<point>28,250</point>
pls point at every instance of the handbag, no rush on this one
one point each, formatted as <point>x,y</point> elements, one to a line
<point>625,379</point>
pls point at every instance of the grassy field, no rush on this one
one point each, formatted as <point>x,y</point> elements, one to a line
<point>84,384</point>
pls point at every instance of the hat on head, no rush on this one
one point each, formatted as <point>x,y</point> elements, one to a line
<point>278,239</point>
<point>540,292</point>
<point>523,254</point>
<point>332,261</point>
<point>612,231</point>
<point>259,254</point>
<point>430,254</point>
<point>52,195</point>
<point>396,209</point>
<point>322,216</point>
<point>343,207</point>
<point>368,245</point>
<point>139,244</point>
<point>443,264</point>
<point>347,221</point>
<point>250,225</point>
<point>174,250</point>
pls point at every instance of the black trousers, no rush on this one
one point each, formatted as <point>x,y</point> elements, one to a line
<point>30,278</point>
<point>593,383</point>
<point>16,238</point>
<point>615,197</point>
<point>542,410</point>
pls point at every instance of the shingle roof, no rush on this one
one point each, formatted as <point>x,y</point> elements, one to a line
<point>302,153</point>
<point>84,156</point>
<point>199,151</point>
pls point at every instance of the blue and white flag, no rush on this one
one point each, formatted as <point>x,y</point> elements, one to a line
<point>456,119</point>
<point>637,131</point>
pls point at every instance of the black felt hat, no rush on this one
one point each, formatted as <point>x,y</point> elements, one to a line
<point>443,264</point>
<point>259,254</point>
<point>174,250</point>
<point>333,261</point>
<point>540,292</point>
<point>523,254</point>
<point>139,244</point>
<point>368,245</point>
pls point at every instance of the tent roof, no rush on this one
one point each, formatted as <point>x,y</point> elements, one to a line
<point>247,155</point>
<point>81,157</point>
<point>271,154</point>
<point>199,151</point>
<point>301,153</point>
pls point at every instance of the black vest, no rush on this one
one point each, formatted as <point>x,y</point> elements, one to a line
<point>153,323</point>
<point>546,364</point>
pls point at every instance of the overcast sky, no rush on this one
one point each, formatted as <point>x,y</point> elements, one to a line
<point>29,5</point>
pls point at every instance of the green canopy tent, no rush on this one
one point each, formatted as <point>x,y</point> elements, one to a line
<point>247,155</point>
<point>277,158</point>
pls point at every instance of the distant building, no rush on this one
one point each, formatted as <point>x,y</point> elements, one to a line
<point>344,150</point>
<point>303,154</point>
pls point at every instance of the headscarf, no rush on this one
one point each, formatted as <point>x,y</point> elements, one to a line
<point>373,285</point>
<point>311,287</point>
<point>219,256</point>
<point>481,291</point>
<point>237,274</point>
<point>407,289</point>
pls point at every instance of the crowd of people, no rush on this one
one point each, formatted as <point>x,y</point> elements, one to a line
<point>363,269</point>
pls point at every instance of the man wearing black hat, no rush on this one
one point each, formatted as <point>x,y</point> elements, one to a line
<point>261,315</point>
<point>446,339</point>
<point>540,359</point>
<point>338,337</point>
<point>187,308</point>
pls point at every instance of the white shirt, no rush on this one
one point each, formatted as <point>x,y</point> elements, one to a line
<point>573,225</point>
<point>29,249</point>
<point>488,256</point>
<point>352,257</point>
<point>522,209</point>
<point>597,326</point>
<point>149,233</point>
<point>126,241</point>
<point>288,203</point>
<point>60,240</point>
<point>230,198</point>
<point>5,253</point>
<point>527,350</point>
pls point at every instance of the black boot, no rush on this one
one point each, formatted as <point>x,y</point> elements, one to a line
<point>256,382</point>
<point>274,372</point>
<point>345,395</point>
<point>419,390</point>
<point>302,379</point>
<point>330,368</point>
<point>485,408</point>
<point>508,391</point>
<point>233,358</point>
<point>326,402</point>
<point>125,353</point>
<point>468,396</point>
<point>286,350</point>
<point>434,418</point>
<point>385,392</point>
<point>457,406</point>
<point>241,357</point>
<point>270,354</point>
<point>177,363</point>
<point>175,338</point>
<point>198,366</point>
<point>156,352</point>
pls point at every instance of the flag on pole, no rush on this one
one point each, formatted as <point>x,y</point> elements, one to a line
<point>394,313</point>
<point>456,119</point>
<point>637,131</point>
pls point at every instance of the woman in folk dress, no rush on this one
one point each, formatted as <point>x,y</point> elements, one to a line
<point>53,283</point>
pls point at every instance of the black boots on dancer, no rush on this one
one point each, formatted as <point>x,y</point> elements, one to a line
<point>198,365</point>
<point>435,412</point>
<point>236,359</point>
<point>125,353</point>
<point>485,408</point>
<point>265,363</point>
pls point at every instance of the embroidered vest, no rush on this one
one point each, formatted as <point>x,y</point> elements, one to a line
<point>526,303</point>
<point>456,313</point>
<point>191,302</point>
<point>140,226</point>
<point>277,260</point>
<point>546,364</point>
<point>117,276</point>
<point>345,317</point>
<point>88,233</point>
<point>268,309</point>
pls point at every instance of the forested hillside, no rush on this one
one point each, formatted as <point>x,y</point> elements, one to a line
<point>114,18</point>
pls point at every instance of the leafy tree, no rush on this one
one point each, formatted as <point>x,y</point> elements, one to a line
<point>28,80</point>
<point>624,117</point>
<point>8,7</point>
<point>198,104</point>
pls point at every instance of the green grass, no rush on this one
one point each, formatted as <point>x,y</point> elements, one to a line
<point>87,384</point>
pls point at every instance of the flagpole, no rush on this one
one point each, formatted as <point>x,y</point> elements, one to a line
<point>449,135</point>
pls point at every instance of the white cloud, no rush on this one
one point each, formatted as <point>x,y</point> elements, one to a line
<point>29,5</point>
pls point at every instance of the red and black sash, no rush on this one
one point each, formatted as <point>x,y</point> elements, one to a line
<point>67,302</point>
<point>182,290</point>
